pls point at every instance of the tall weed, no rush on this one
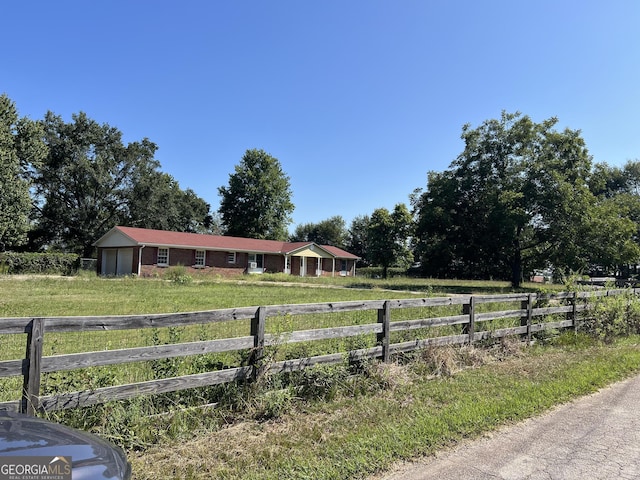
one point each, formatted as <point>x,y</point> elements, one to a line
<point>614,316</point>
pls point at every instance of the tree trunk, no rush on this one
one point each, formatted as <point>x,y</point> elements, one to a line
<point>516,265</point>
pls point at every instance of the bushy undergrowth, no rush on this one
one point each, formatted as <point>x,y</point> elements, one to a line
<point>144,421</point>
<point>377,272</point>
<point>39,263</point>
<point>178,274</point>
<point>613,316</point>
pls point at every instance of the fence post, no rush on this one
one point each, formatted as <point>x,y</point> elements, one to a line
<point>256,359</point>
<point>469,328</point>
<point>31,369</point>
<point>384,317</point>
<point>574,311</point>
<point>526,320</point>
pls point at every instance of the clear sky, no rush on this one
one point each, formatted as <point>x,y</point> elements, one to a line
<point>358,99</point>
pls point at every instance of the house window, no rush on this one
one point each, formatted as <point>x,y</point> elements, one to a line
<point>200,258</point>
<point>231,257</point>
<point>163,256</point>
<point>255,261</point>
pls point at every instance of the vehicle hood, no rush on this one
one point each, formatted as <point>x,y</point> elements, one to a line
<point>92,457</point>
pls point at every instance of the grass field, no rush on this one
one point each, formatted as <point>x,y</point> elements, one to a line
<point>89,295</point>
<point>326,423</point>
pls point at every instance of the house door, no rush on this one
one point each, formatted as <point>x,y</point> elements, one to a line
<point>311,267</point>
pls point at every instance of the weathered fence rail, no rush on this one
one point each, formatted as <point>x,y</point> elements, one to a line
<point>531,320</point>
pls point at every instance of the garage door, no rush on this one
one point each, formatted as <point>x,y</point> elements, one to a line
<point>117,261</point>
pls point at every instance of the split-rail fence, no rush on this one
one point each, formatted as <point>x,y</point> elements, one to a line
<point>566,310</point>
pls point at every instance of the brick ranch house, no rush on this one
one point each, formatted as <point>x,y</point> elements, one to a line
<point>145,252</point>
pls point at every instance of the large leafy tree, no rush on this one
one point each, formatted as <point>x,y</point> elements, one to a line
<point>257,201</point>
<point>21,149</point>
<point>515,199</point>
<point>332,231</point>
<point>157,201</point>
<point>388,238</point>
<point>91,181</point>
<point>618,193</point>
<point>84,183</point>
<point>357,238</point>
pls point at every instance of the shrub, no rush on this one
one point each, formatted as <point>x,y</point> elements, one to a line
<point>376,272</point>
<point>38,263</point>
<point>178,274</point>
<point>613,316</point>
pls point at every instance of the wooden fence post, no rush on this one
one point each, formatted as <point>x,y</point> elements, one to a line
<point>31,369</point>
<point>574,311</point>
<point>257,355</point>
<point>384,317</point>
<point>469,328</point>
<point>526,320</point>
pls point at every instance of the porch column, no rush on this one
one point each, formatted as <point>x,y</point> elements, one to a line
<point>333,267</point>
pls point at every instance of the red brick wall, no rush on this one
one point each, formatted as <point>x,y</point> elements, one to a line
<point>179,256</point>
<point>273,263</point>
<point>217,263</point>
<point>149,255</point>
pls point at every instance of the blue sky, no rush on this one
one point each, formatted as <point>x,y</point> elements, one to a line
<point>357,99</point>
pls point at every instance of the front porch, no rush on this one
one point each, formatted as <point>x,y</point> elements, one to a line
<point>314,261</point>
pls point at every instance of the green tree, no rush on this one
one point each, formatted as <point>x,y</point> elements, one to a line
<point>357,238</point>
<point>388,238</point>
<point>612,233</point>
<point>515,199</point>
<point>84,182</point>
<point>257,201</point>
<point>90,181</point>
<point>21,149</point>
<point>332,231</point>
<point>157,201</point>
<point>618,193</point>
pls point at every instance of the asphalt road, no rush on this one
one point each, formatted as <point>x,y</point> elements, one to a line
<point>595,437</point>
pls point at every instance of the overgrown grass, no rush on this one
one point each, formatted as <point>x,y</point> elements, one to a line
<point>344,421</point>
<point>38,296</point>
<point>421,285</point>
<point>85,295</point>
<point>391,412</point>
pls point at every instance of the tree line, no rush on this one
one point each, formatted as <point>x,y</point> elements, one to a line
<point>521,196</point>
<point>65,184</point>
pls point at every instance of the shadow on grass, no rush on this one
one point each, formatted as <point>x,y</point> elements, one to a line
<point>452,288</point>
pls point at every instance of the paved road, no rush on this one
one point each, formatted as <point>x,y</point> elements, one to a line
<point>596,437</point>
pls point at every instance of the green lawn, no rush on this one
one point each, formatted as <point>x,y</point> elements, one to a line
<point>350,426</point>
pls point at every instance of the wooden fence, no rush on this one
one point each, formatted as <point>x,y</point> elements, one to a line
<point>530,318</point>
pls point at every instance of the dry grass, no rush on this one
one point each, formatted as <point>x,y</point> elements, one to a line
<point>447,361</point>
<point>227,452</point>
